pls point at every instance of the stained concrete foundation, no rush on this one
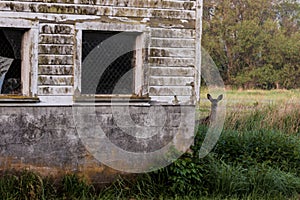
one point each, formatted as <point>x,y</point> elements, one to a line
<point>46,139</point>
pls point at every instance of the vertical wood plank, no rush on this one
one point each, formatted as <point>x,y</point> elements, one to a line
<point>77,61</point>
<point>199,12</point>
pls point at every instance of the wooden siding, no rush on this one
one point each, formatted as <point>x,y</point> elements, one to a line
<point>170,58</point>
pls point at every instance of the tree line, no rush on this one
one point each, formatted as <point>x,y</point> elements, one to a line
<point>254,43</point>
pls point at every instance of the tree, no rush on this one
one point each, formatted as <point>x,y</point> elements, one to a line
<point>252,39</point>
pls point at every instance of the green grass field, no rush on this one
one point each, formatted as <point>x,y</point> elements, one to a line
<point>256,157</point>
<point>255,98</point>
<point>274,109</point>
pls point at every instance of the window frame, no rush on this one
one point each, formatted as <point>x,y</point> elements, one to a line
<point>140,87</point>
<point>29,63</point>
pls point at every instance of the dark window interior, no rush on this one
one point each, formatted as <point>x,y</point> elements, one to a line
<point>10,60</point>
<point>107,62</point>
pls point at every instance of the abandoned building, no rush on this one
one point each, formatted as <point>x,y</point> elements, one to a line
<point>60,57</point>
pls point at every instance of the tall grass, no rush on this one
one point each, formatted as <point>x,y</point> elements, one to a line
<point>259,109</point>
<point>284,118</point>
<point>27,185</point>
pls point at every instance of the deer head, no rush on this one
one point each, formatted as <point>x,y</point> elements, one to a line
<point>214,105</point>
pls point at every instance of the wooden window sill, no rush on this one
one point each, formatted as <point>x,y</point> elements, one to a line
<point>18,99</point>
<point>111,98</point>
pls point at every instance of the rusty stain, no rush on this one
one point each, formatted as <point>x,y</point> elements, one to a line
<point>91,170</point>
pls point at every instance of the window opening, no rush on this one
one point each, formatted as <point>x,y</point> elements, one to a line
<point>10,60</point>
<point>120,71</point>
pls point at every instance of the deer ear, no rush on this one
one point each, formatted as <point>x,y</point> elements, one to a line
<point>220,97</point>
<point>209,97</point>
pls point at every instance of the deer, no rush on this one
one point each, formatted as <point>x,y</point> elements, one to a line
<point>211,117</point>
<point>213,112</point>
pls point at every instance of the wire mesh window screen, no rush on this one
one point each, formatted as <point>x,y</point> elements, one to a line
<point>108,60</point>
<point>10,60</point>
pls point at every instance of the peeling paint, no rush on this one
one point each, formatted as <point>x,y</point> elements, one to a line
<point>55,70</point>
<point>55,39</point>
<point>56,29</point>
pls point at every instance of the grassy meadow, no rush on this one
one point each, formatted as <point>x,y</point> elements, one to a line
<point>256,157</point>
<point>259,109</point>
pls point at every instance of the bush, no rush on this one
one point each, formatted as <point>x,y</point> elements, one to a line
<point>186,176</point>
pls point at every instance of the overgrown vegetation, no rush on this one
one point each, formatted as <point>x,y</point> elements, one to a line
<point>255,164</point>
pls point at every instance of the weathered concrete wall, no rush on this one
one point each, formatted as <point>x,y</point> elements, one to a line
<point>46,139</point>
<point>170,57</point>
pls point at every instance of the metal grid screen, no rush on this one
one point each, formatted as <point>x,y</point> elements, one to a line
<point>10,60</point>
<point>107,62</point>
